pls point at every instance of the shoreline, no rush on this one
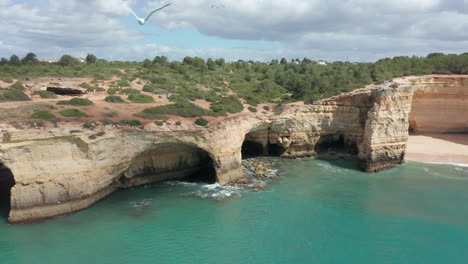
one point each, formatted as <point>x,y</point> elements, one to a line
<point>449,149</point>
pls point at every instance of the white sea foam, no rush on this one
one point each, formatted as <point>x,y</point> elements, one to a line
<point>209,191</point>
<point>216,191</point>
<point>444,163</point>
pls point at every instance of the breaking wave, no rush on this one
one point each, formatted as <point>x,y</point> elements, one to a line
<point>209,191</point>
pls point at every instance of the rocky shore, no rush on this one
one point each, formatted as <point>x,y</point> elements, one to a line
<point>64,167</point>
<point>258,172</point>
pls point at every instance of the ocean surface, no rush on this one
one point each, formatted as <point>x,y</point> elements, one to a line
<point>319,212</point>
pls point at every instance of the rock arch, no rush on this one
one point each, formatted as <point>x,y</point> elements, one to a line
<point>258,142</point>
<point>169,161</point>
<point>336,143</point>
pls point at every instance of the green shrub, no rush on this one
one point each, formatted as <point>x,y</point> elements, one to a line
<point>123,83</point>
<point>72,112</point>
<point>394,85</point>
<point>149,88</point>
<point>114,99</point>
<point>266,107</point>
<point>178,123</point>
<point>230,104</point>
<point>184,109</point>
<point>129,91</point>
<point>43,115</point>
<point>159,80</point>
<point>201,122</point>
<point>252,109</point>
<point>7,80</point>
<point>132,122</point>
<point>112,91</point>
<point>14,95</point>
<point>17,86</point>
<point>76,102</point>
<point>159,123</point>
<point>141,98</point>
<point>45,94</point>
<point>86,86</point>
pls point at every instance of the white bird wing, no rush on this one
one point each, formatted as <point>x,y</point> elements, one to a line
<point>156,10</point>
<point>128,8</point>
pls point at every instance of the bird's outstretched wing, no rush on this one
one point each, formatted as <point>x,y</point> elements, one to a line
<point>156,10</point>
<point>128,8</point>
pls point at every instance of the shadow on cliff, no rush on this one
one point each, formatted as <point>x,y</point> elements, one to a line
<point>6,183</point>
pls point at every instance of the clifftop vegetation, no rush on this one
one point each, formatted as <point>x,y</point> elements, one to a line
<point>216,80</point>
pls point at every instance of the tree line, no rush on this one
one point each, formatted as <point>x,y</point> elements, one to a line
<point>256,82</point>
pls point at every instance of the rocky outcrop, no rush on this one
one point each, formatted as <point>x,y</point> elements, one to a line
<point>62,168</point>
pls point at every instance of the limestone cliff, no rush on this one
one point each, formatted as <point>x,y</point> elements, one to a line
<point>61,168</point>
<point>440,104</point>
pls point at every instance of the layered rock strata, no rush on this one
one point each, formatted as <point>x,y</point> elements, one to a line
<point>63,168</point>
<point>440,105</point>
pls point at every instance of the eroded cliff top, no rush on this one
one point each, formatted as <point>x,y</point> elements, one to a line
<point>96,108</point>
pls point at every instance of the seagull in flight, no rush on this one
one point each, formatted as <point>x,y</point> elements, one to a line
<point>143,21</point>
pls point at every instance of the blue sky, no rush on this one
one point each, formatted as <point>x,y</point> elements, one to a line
<point>355,30</point>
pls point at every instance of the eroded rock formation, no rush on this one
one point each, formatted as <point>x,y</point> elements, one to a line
<point>65,168</point>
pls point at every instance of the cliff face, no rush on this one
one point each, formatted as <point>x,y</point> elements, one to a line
<point>440,104</point>
<point>64,168</point>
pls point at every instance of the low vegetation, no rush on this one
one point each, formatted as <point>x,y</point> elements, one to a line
<point>277,81</point>
<point>129,91</point>
<point>183,109</point>
<point>72,112</point>
<point>17,86</point>
<point>13,95</point>
<point>43,115</point>
<point>7,80</point>
<point>252,109</point>
<point>112,91</point>
<point>76,102</point>
<point>114,99</point>
<point>45,94</point>
<point>230,104</point>
<point>140,98</point>
<point>132,122</point>
<point>201,122</point>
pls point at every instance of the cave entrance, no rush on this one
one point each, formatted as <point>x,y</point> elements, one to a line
<point>172,161</point>
<point>332,144</point>
<point>257,144</point>
<point>7,182</point>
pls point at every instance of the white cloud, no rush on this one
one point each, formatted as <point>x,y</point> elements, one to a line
<point>71,24</point>
<point>329,29</point>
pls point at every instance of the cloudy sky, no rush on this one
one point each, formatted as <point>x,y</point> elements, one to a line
<point>355,30</point>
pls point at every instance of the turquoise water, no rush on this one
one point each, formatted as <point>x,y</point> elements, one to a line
<point>320,212</point>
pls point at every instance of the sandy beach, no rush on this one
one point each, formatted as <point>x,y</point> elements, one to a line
<point>438,148</point>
